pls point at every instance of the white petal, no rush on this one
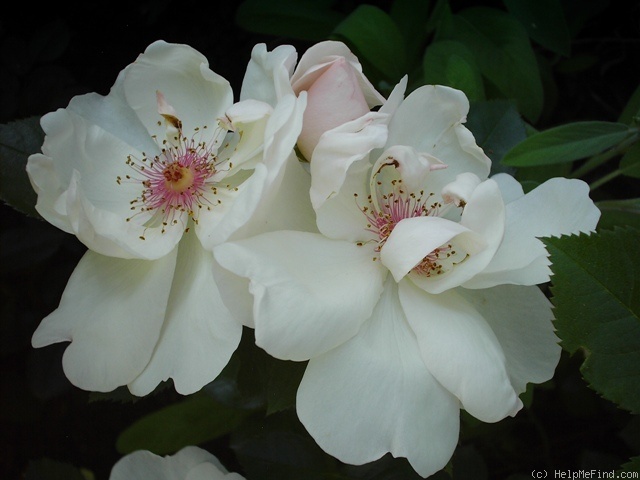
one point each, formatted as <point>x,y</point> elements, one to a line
<point>268,73</point>
<point>286,206</point>
<point>182,75</point>
<point>430,120</point>
<point>317,58</point>
<point>310,293</point>
<point>341,216</point>
<point>83,161</point>
<point>557,207</point>
<point>414,238</point>
<point>188,463</point>
<point>484,216</point>
<point>111,311</point>
<point>520,317</point>
<point>246,202</point>
<point>236,206</point>
<point>510,188</point>
<point>199,333</point>
<point>374,395</point>
<point>334,98</point>
<point>282,131</point>
<point>459,191</point>
<point>461,351</point>
<point>339,148</point>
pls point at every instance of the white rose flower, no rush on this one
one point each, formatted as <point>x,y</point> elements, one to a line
<point>151,178</point>
<point>338,120</point>
<point>190,463</point>
<point>419,297</point>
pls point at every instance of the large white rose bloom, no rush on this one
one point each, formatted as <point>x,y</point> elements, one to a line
<point>190,463</point>
<point>419,297</point>
<point>151,178</point>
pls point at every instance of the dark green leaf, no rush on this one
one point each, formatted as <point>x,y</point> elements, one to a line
<point>542,173</point>
<point>544,21</point>
<point>279,447</point>
<point>497,127</point>
<point>618,213</point>
<point>48,469</point>
<point>630,162</point>
<point>596,294</point>
<point>577,63</point>
<point>631,110</point>
<point>301,19</point>
<point>503,52</point>
<point>240,384</point>
<point>411,17</point>
<point>566,143</point>
<point>632,466</point>
<point>376,39</point>
<point>451,63</point>
<point>18,140</point>
<point>195,420</point>
<point>283,379</point>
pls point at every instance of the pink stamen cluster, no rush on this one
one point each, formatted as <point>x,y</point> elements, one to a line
<point>174,181</point>
<point>397,205</point>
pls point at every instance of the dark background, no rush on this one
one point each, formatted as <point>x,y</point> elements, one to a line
<point>50,53</point>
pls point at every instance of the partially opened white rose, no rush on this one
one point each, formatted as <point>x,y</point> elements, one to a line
<point>419,297</point>
<point>151,178</point>
<point>338,92</point>
<point>190,463</point>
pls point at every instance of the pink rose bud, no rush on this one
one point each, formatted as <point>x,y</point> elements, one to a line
<point>334,98</point>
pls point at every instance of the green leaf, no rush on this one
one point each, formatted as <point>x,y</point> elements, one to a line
<point>411,17</point>
<point>630,162</point>
<point>301,19</point>
<point>632,466</point>
<point>616,213</point>
<point>278,447</point>
<point>596,294</point>
<point>497,127</point>
<point>18,140</point>
<point>545,23</point>
<point>566,143</point>
<point>631,113</point>
<point>451,63</point>
<point>283,379</point>
<point>503,52</point>
<point>48,469</point>
<point>376,39</point>
<point>195,420</point>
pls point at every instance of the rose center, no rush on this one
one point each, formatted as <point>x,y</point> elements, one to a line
<point>178,178</point>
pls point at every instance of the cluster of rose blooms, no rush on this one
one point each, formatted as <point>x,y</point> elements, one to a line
<point>360,233</point>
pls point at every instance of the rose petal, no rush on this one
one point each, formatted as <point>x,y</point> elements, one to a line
<point>112,311</point>
<point>412,239</point>
<point>333,99</point>
<point>338,149</point>
<point>520,317</point>
<point>317,58</point>
<point>268,73</point>
<point>304,303</point>
<point>431,121</point>
<point>188,463</point>
<point>374,395</point>
<point>199,333</point>
<point>182,75</point>
<point>483,216</point>
<point>557,207</point>
<point>461,351</point>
